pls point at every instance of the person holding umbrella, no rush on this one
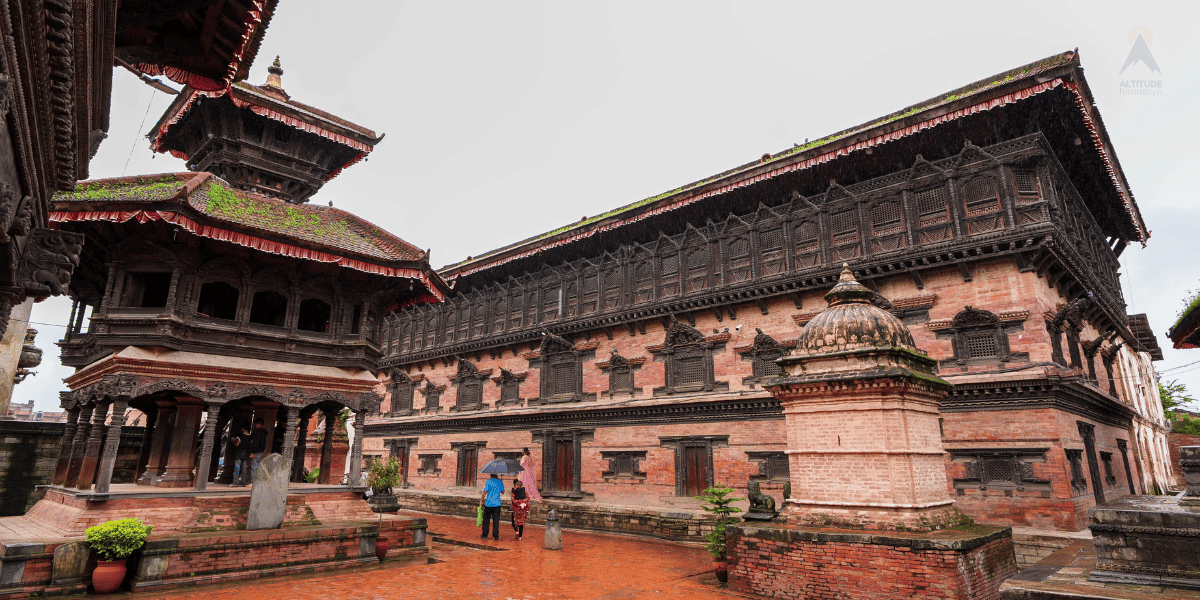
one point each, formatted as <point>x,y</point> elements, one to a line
<point>490,500</point>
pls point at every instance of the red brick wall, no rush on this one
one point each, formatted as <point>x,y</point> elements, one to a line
<point>774,564</point>
<point>1175,441</point>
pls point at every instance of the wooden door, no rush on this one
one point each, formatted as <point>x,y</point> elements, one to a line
<point>403,465</point>
<point>468,463</point>
<point>564,466</point>
<point>695,470</point>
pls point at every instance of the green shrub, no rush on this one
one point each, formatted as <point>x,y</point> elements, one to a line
<point>116,540</point>
<point>312,475</point>
<point>717,502</point>
<point>384,475</point>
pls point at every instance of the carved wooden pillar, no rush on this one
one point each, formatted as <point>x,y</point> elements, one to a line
<point>79,318</point>
<point>172,293</point>
<point>109,290</point>
<point>206,447</point>
<point>68,442</point>
<point>71,319</point>
<point>182,456</point>
<point>111,444</point>
<point>147,442</point>
<point>355,479</point>
<point>160,446</point>
<point>289,436</point>
<point>301,445</point>
<point>327,446</point>
<point>91,452</point>
<point>78,444</point>
<point>214,462</point>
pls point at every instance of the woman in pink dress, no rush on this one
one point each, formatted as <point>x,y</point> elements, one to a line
<point>529,475</point>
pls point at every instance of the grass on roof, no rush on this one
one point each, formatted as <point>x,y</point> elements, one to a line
<point>141,189</point>
<point>248,211</point>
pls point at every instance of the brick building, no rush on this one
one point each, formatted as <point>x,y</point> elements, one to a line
<point>628,350</point>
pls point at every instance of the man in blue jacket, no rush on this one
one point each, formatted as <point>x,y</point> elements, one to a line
<point>490,500</point>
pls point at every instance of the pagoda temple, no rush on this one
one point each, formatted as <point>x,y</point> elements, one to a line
<point>629,351</point>
<point>210,300</point>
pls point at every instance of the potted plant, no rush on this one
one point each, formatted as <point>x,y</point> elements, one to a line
<point>717,501</point>
<point>382,476</point>
<point>113,542</point>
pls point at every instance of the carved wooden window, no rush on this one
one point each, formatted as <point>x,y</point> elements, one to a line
<point>498,315</point>
<point>463,329</point>
<point>979,338</point>
<point>669,276</point>
<point>620,379</point>
<point>1075,459</point>
<point>739,260</point>
<point>1026,182</point>
<point>433,397</point>
<point>510,389</point>
<point>933,207</point>
<point>763,355</point>
<point>253,127</point>
<point>146,290</point>
<point>562,376</point>
<point>591,292</point>
<point>885,218</point>
<point>693,461</point>
<point>688,359</point>
<point>281,133</point>
<point>448,324</point>
<point>469,381</point>
<point>808,245</point>
<point>431,320</point>
<point>561,366</point>
<point>1010,468</point>
<point>772,466</point>
<point>981,197</point>
<point>572,299</point>
<point>429,465</point>
<point>406,336</point>
<point>770,252</point>
<point>515,310</point>
<point>531,308</point>
<point>643,281</point>
<point>623,464</point>
<point>1110,478</point>
<point>478,319</point>
<point>402,394</point>
<point>845,227</point>
<point>697,260</point>
<point>268,308</point>
<point>551,303</point>
<point>218,300</point>
<point>612,288</point>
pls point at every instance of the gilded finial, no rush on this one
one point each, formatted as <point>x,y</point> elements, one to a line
<point>275,75</point>
<point>847,274</point>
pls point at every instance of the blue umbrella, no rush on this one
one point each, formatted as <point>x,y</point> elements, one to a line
<point>502,466</point>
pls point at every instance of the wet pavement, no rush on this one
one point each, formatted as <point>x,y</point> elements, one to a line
<point>590,566</point>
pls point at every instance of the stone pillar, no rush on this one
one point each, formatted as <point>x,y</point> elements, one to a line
<point>147,442</point>
<point>1123,447</point>
<point>160,448</point>
<point>206,447</point>
<point>289,436</point>
<point>214,461</point>
<point>68,441</point>
<point>182,457</point>
<point>91,452</point>
<point>298,456</point>
<point>78,445</point>
<point>327,446</point>
<point>1189,462</point>
<point>355,478</point>
<point>10,352</point>
<point>112,442</point>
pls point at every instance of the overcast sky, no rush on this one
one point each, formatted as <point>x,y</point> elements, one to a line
<point>508,119</point>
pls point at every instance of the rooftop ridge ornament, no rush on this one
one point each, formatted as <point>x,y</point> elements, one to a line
<point>275,75</point>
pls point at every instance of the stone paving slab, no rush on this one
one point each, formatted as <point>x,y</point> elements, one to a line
<point>1064,576</point>
<point>591,566</point>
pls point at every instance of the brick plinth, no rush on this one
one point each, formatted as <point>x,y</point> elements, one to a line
<point>811,564</point>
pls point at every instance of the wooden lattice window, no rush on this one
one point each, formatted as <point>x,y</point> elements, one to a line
<point>402,394</point>
<point>591,292</point>
<point>981,197</point>
<point>845,226</point>
<point>688,361</point>
<point>933,206</point>
<point>1010,468</point>
<point>1110,478</point>
<point>669,276</point>
<point>429,465</point>
<point>688,369</point>
<point>464,323</point>
<point>433,397</point>
<point>1026,182</point>
<point>623,464</point>
<point>430,330</point>
<point>772,466</point>
<point>406,342</point>
<point>498,315</point>
<point>1075,459</point>
<point>763,355</point>
<point>572,299</point>
<point>620,379</point>
<point>516,308</point>
<point>469,382</point>
<point>979,338</point>
<point>510,391</point>
<point>612,288</point>
<point>643,281</point>
<point>885,218</point>
<point>981,344</point>
<point>561,367</point>
<point>697,268</point>
<point>551,303</point>
<point>478,320</point>
<point>807,241</point>
<point>770,249</point>
<point>531,308</point>
<point>739,260</point>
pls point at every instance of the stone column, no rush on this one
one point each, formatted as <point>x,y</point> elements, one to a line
<point>1189,463</point>
<point>1123,447</point>
<point>355,478</point>
<point>299,456</point>
<point>108,459</point>
<point>91,452</point>
<point>68,441</point>
<point>327,446</point>
<point>11,344</point>
<point>78,445</point>
<point>214,461</point>
<point>206,447</point>
<point>160,448</point>
<point>289,437</point>
<point>182,457</point>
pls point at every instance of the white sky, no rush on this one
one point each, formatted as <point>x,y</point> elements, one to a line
<point>508,119</point>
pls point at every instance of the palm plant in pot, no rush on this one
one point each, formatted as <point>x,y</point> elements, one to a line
<point>718,502</point>
<point>113,542</point>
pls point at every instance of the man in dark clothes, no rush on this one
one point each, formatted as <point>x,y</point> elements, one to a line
<point>241,457</point>
<point>258,445</point>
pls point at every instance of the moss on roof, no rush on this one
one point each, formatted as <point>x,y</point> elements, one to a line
<point>274,216</point>
<point>155,187</point>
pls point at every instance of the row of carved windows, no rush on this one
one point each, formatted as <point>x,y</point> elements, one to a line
<point>694,261</point>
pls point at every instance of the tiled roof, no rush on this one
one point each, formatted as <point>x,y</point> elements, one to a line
<point>214,201</point>
<point>835,144</point>
<point>260,96</point>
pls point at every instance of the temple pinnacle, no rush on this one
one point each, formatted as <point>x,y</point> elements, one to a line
<point>275,75</point>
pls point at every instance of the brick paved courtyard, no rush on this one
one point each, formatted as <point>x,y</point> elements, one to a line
<point>591,566</point>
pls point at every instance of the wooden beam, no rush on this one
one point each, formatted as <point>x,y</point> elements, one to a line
<point>762,305</point>
<point>965,270</point>
<point>796,299</point>
<point>916,276</point>
<point>718,314</point>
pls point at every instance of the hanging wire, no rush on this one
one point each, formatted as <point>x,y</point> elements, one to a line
<point>1179,367</point>
<point>140,129</point>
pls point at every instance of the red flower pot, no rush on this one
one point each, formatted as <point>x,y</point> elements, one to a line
<point>108,576</point>
<point>381,548</point>
<point>721,568</point>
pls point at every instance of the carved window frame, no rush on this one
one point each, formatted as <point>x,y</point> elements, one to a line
<point>772,466</point>
<point>549,439</point>
<point>433,397</point>
<point>428,466</point>
<point>469,382</point>
<point>558,358</point>
<point>621,370</point>
<point>1075,460</point>
<point>623,464</point>
<point>679,443</point>
<point>1110,478</point>
<point>970,327</point>
<point>762,356</point>
<point>1000,468</point>
<point>403,390</point>
<point>685,343</point>
<point>510,388</point>
<point>772,250</point>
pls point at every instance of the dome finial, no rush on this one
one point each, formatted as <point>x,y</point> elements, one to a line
<point>847,274</point>
<point>275,75</point>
